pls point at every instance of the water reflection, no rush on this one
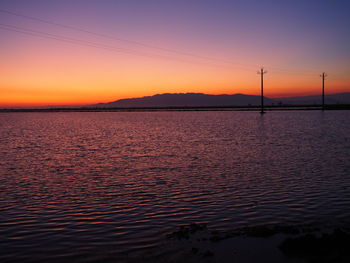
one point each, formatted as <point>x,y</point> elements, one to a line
<point>101,185</point>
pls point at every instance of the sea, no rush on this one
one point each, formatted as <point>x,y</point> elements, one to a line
<point>112,186</point>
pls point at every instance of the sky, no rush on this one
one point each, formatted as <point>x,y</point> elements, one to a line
<point>78,52</point>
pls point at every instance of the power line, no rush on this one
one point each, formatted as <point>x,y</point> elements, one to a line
<point>292,72</point>
<point>164,49</point>
<point>80,42</point>
<point>124,40</point>
<point>154,47</point>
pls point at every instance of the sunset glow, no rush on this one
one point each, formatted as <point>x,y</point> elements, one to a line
<point>37,70</point>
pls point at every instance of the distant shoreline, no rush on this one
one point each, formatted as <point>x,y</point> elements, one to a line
<point>160,109</point>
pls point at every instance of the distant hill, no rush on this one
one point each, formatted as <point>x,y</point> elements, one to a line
<point>205,100</point>
<point>186,100</point>
<point>339,98</point>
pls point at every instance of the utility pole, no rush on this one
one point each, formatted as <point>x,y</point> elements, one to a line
<point>323,76</point>
<point>261,73</point>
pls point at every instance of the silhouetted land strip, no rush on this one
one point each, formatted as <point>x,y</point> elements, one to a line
<point>306,242</point>
<point>151,109</point>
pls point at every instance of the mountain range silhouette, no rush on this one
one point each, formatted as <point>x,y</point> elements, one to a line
<point>206,100</point>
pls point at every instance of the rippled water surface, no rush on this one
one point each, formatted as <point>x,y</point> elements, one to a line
<point>99,186</point>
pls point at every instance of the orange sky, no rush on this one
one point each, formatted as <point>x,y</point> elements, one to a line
<point>56,74</point>
<point>37,71</point>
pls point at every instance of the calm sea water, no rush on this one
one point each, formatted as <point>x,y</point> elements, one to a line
<point>104,186</point>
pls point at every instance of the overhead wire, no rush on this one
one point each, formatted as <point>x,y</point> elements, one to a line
<point>142,44</point>
<point>183,53</point>
<point>76,41</point>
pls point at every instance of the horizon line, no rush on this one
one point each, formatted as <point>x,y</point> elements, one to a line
<point>39,106</point>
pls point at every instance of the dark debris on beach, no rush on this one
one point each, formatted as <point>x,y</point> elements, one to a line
<point>314,248</point>
<point>307,243</point>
